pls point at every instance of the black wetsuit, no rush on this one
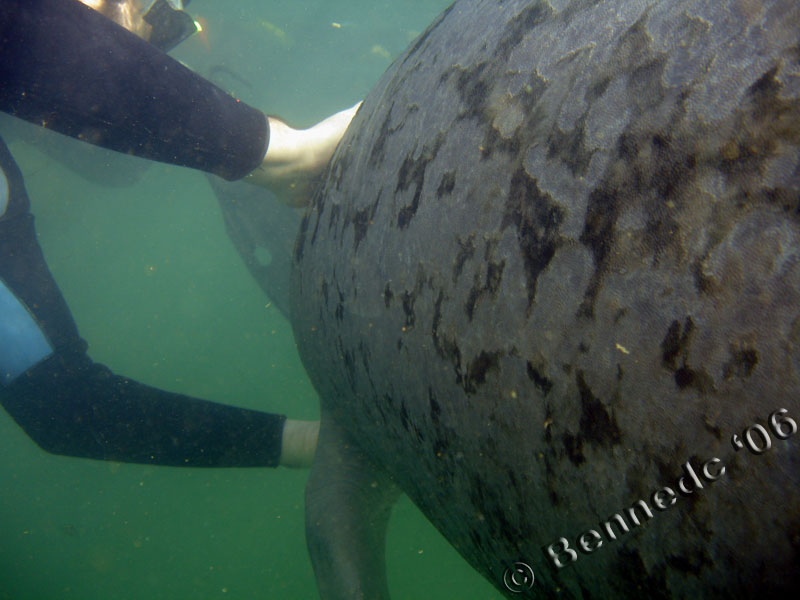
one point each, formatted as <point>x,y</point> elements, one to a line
<point>66,67</point>
<point>69,68</point>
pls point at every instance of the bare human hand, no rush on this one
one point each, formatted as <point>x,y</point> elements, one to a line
<point>296,157</point>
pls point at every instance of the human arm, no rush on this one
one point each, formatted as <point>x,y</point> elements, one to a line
<point>295,157</point>
<point>70,405</point>
<point>68,68</point>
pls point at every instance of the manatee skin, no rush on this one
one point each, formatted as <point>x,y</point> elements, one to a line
<point>556,257</point>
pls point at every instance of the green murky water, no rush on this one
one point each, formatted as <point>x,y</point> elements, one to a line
<point>162,297</point>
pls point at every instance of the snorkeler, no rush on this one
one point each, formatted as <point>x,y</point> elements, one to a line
<point>68,68</point>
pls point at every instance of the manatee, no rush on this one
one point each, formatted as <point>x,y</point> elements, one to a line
<point>550,289</point>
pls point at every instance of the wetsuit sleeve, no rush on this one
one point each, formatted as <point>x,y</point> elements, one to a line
<point>70,405</point>
<point>68,68</point>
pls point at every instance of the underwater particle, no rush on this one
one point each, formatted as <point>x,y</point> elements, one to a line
<point>621,348</point>
<point>276,32</point>
<point>379,50</point>
<point>336,25</point>
<point>730,150</point>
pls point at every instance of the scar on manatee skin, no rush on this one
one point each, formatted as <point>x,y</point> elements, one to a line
<point>387,296</point>
<point>412,172</point>
<point>408,299</point>
<point>675,353</point>
<point>445,345</point>
<point>537,220</point>
<point>479,368</point>
<point>541,381</point>
<point>447,184</point>
<point>361,220</point>
<point>466,250</point>
<point>596,425</point>
<point>741,363</point>
<point>490,285</point>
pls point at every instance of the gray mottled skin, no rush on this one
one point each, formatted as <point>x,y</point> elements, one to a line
<point>556,256</point>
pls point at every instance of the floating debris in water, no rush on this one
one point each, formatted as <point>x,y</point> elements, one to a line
<point>276,32</point>
<point>379,50</point>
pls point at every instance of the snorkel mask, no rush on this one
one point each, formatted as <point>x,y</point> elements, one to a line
<point>163,23</point>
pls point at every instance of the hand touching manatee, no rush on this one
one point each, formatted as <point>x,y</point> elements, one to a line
<point>296,157</point>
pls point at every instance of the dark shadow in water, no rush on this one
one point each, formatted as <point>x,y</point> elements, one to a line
<point>263,231</point>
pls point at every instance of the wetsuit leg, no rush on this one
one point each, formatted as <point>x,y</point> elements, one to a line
<point>70,405</point>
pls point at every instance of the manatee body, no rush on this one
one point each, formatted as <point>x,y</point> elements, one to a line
<point>554,267</point>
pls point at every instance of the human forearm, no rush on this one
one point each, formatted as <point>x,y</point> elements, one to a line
<point>69,68</point>
<point>71,406</point>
